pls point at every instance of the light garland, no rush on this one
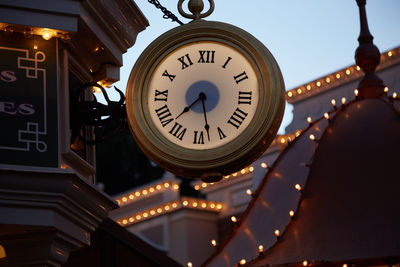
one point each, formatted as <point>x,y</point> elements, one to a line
<point>190,203</point>
<point>349,73</point>
<point>28,32</point>
<point>146,192</point>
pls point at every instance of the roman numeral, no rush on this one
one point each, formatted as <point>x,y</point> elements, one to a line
<point>198,138</point>
<point>244,98</point>
<point>161,95</point>
<point>206,56</point>
<point>226,62</point>
<point>221,134</point>
<point>177,131</point>
<point>170,76</point>
<point>164,115</point>
<point>242,76</point>
<point>185,60</point>
<point>237,118</point>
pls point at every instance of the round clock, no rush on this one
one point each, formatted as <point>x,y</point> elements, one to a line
<point>205,99</point>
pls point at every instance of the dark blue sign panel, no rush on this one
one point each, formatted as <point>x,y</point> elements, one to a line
<point>28,101</point>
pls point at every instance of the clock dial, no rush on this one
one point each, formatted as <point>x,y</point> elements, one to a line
<point>203,95</point>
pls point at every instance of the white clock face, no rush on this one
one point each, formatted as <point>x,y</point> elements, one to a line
<point>203,95</point>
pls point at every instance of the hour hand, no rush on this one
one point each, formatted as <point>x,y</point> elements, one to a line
<point>187,108</point>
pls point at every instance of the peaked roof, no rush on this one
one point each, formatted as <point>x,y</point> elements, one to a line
<point>347,207</point>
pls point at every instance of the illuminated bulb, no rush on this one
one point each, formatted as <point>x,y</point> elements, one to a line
<point>358,68</point>
<point>144,192</point>
<point>213,243</point>
<point>283,140</point>
<point>47,34</point>
<point>226,176</point>
<point>204,185</point>
<point>131,219</point>
<point>312,137</point>
<point>318,84</point>
<point>343,100</point>
<point>345,265</point>
<point>234,175</point>
<point>151,189</point>
<point>176,187</point>
<point>124,221</point>
<point>243,171</point>
<point>305,263</point>
<point>308,87</point>
<point>326,115</point>
<point>219,206</point>
<point>124,199</point>
<point>189,264</point>
<point>390,53</point>
<point>166,185</point>
<point>145,215</point>
<point>309,120</point>
<point>174,205</point>
<point>248,191</point>
<point>299,91</point>
<point>35,47</point>
<point>203,205</point>
<point>291,213</point>
<point>152,212</point>
<point>185,203</point>
<point>328,80</point>
<point>348,72</point>
<point>158,187</point>
<point>137,193</point>
<point>386,89</point>
<point>194,204</point>
<point>233,219</point>
<point>338,76</point>
<point>394,95</point>
<point>251,168</point>
<point>297,133</point>
<point>138,217</point>
<point>260,248</point>
<point>289,94</point>
<point>242,262</point>
<point>333,102</point>
<point>196,187</point>
<point>356,92</point>
<point>277,232</point>
<point>159,210</point>
<point>264,165</point>
<point>298,187</point>
<point>166,207</point>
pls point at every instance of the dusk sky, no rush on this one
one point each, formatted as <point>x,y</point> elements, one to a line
<point>308,38</point>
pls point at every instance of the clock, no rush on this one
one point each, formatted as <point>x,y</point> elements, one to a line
<point>205,99</point>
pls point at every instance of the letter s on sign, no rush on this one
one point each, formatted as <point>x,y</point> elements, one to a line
<point>26,109</point>
<point>8,76</point>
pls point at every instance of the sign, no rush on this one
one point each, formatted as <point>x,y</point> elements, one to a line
<point>28,101</point>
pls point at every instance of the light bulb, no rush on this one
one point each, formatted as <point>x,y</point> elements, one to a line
<point>333,102</point>
<point>291,213</point>
<point>312,137</point>
<point>233,219</point>
<point>326,115</point>
<point>298,187</point>
<point>213,243</point>
<point>248,191</point>
<point>277,233</point>
<point>260,248</point>
<point>242,262</point>
<point>47,34</point>
<point>343,100</point>
<point>356,92</point>
<point>305,263</point>
<point>309,120</point>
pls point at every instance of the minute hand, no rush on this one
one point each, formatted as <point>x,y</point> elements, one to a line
<point>206,126</point>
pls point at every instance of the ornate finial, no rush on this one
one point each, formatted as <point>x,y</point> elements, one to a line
<point>367,58</point>
<point>195,6</point>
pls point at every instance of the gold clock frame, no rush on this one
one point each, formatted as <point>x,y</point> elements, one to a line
<point>210,164</point>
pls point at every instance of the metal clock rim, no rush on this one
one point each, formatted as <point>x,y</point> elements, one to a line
<point>246,147</point>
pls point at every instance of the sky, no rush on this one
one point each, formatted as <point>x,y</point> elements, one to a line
<point>308,38</point>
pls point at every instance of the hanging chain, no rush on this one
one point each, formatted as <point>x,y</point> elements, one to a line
<point>167,14</point>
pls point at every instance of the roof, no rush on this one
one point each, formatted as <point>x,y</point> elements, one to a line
<point>341,188</point>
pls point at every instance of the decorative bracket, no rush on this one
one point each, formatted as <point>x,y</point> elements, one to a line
<point>196,7</point>
<point>105,118</point>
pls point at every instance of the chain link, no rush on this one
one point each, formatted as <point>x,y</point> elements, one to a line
<point>167,14</point>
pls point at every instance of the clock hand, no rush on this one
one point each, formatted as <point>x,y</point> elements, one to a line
<point>187,108</point>
<point>206,126</point>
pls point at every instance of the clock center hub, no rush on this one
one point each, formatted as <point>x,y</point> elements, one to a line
<point>206,90</point>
